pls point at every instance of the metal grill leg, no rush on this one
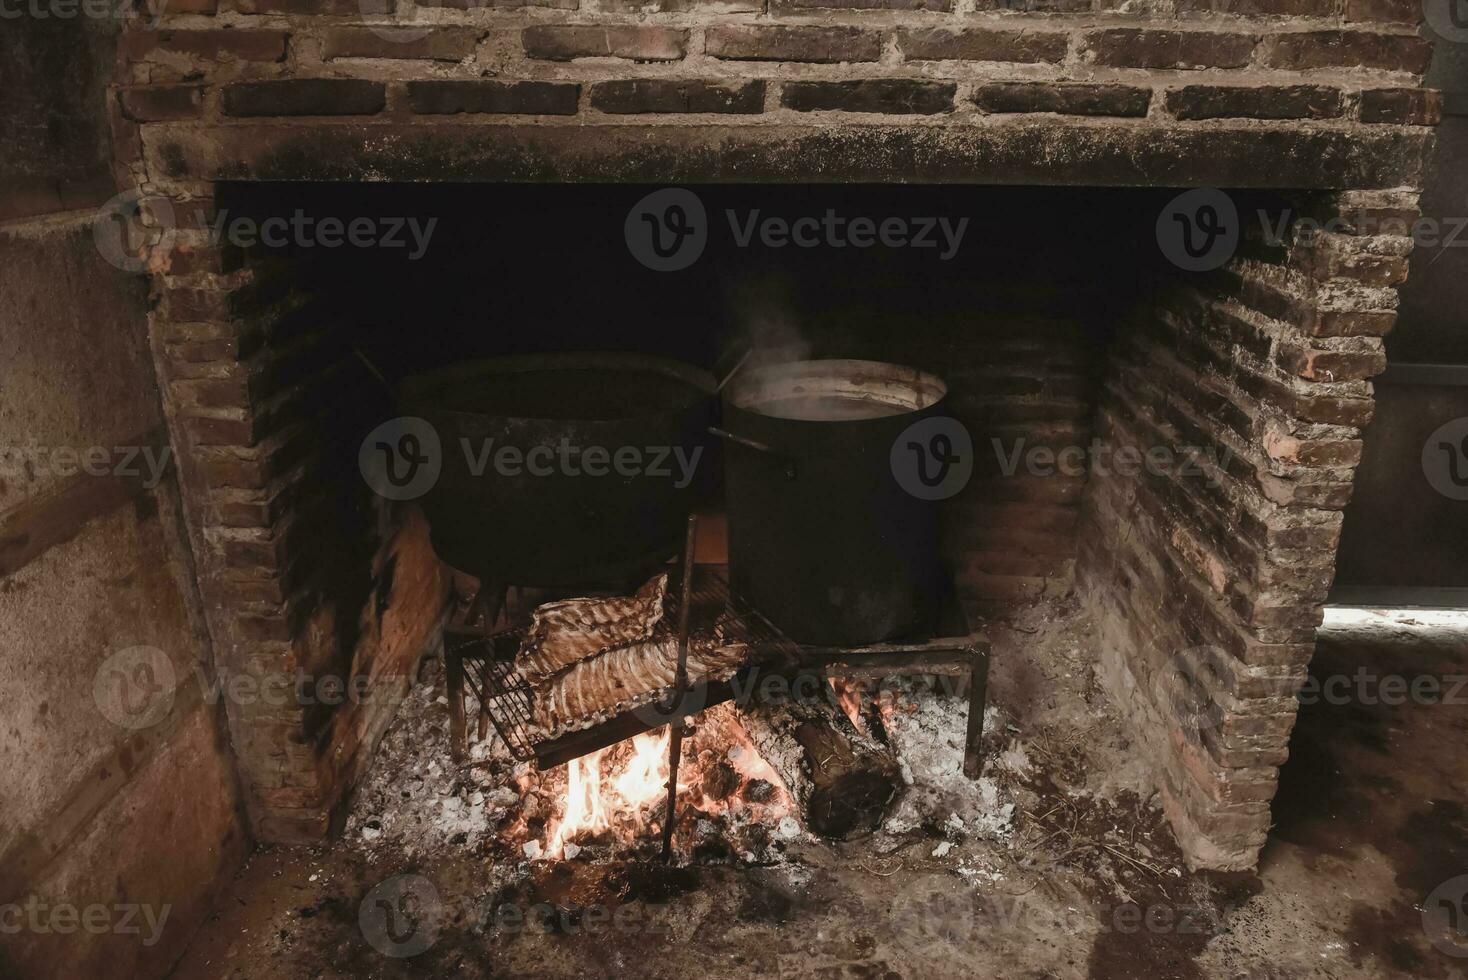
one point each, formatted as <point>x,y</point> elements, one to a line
<point>978,697</point>
<point>453,665</point>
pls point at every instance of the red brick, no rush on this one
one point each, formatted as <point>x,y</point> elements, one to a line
<point>407,43</point>
<point>677,95</point>
<point>1384,11</point>
<point>213,44</point>
<point>312,8</point>
<point>305,97</point>
<point>768,42</point>
<point>1137,48</point>
<point>1347,49</point>
<point>898,96</point>
<point>1073,99</point>
<point>152,103</point>
<point>1255,102</point>
<point>1350,323</point>
<point>565,42</point>
<point>1258,8</point>
<point>1402,106</point>
<point>680,6</point>
<point>978,44</point>
<point>797,6</point>
<point>493,96</point>
<point>1328,365</point>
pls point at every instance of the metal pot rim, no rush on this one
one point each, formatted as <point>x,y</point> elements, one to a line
<point>897,385</point>
<point>427,390</point>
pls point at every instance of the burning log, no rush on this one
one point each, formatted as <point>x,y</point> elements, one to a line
<point>845,782</point>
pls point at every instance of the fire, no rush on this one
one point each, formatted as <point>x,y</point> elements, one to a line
<point>584,810</point>
<point>590,811</point>
<point>848,693</point>
<point>646,777</point>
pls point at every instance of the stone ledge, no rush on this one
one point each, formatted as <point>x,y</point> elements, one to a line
<point>1019,151</point>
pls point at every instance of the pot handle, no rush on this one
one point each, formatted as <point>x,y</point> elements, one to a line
<point>757,447</point>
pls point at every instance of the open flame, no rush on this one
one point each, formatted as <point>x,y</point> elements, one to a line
<point>590,811</point>
<point>612,794</point>
<point>646,777</point>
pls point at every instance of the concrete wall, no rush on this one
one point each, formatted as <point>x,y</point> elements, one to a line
<point>119,810</point>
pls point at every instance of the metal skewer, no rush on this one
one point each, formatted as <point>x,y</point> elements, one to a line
<point>680,687</point>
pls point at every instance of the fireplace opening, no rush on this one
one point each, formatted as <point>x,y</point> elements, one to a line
<point>1148,507</point>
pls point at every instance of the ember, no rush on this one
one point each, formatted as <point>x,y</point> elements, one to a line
<point>591,809</point>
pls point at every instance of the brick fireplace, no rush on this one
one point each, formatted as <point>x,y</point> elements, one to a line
<point>1205,587</point>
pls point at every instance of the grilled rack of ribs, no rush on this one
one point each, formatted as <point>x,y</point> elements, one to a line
<point>629,676</point>
<point>563,634</point>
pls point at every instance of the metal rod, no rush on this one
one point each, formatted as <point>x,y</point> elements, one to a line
<point>748,443</point>
<point>680,686</point>
<point>739,364</point>
<point>978,699</point>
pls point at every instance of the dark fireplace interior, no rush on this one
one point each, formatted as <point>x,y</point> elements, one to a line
<point>1064,336</point>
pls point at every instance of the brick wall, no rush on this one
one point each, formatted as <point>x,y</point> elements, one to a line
<point>320,597</point>
<point>1273,351</point>
<point>1208,586</point>
<point>756,61</point>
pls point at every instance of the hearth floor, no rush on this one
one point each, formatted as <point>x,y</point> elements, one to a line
<point>1371,815</point>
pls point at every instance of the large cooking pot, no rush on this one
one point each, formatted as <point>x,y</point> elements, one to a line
<point>822,537</point>
<point>587,464</point>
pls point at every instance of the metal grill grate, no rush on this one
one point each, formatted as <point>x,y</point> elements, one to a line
<point>507,699</point>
